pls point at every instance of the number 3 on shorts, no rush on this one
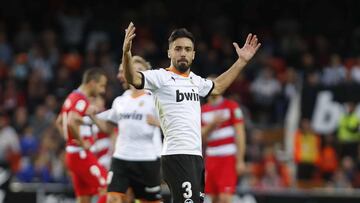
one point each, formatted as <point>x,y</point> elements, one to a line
<point>187,186</point>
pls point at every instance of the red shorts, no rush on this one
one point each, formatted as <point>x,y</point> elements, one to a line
<point>88,176</point>
<point>220,175</point>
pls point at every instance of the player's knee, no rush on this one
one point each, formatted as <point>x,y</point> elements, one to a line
<point>114,199</point>
<point>224,198</point>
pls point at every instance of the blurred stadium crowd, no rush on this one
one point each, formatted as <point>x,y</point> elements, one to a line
<point>46,45</point>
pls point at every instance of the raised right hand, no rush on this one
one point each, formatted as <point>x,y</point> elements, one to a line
<point>129,36</point>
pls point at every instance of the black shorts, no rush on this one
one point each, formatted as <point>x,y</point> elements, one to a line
<point>142,176</point>
<point>184,175</point>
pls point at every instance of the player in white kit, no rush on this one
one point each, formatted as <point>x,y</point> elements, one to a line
<point>135,163</point>
<point>177,91</point>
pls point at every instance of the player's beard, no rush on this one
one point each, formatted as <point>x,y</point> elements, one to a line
<point>182,67</point>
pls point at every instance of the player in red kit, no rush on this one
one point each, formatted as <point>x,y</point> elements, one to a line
<point>223,132</point>
<point>88,176</point>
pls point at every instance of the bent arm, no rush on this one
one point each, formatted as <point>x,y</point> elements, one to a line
<point>223,81</point>
<point>59,124</point>
<point>132,77</point>
<point>74,122</point>
<point>103,125</point>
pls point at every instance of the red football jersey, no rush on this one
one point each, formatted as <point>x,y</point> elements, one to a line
<point>76,102</point>
<point>221,141</point>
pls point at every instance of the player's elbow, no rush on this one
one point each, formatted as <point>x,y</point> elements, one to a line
<point>130,79</point>
<point>74,119</point>
<point>136,80</point>
<point>218,88</point>
<point>58,124</point>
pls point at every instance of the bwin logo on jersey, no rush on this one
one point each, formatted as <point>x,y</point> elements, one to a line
<point>133,116</point>
<point>188,96</point>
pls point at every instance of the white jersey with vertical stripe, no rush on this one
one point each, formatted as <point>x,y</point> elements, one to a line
<point>178,105</point>
<point>137,140</point>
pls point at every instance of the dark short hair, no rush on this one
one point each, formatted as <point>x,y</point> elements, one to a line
<point>92,74</point>
<point>181,33</point>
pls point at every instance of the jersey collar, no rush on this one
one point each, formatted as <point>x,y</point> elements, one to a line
<point>137,96</point>
<point>172,69</point>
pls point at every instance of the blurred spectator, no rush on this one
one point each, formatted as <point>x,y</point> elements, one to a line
<point>40,63</point>
<point>39,171</point>
<point>348,167</point>
<point>58,168</point>
<point>290,90</point>
<point>72,61</point>
<point>13,97</point>
<point>255,146</point>
<point>20,119</point>
<point>334,73</point>
<point>348,133</point>
<point>29,144</point>
<point>356,181</point>
<point>292,83</point>
<point>355,71</point>
<point>9,143</point>
<point>271,178</point>
<point>307,150</point>
<point>95,37</point>
<point>49,41</point>
<point>20,69</point>
<point>41,120</point>
<point>109,66</point>
<point>329,158</point>
<point>340,180</point>
<point>307,65</point>
<point>64,83</point>
<point>6,51</point>
<point>265,89</point>
<point>52,105</point>
<point>310,89</point>
<point>36,91</point>
<point>270,172</point>
<point>48,164</point>
<point>73,24</point>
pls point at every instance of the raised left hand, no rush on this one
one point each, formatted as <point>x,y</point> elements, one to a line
<point>249,49</point>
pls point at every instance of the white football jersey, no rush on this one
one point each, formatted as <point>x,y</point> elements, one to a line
<point>178,104</point>
<point>137,140</point>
